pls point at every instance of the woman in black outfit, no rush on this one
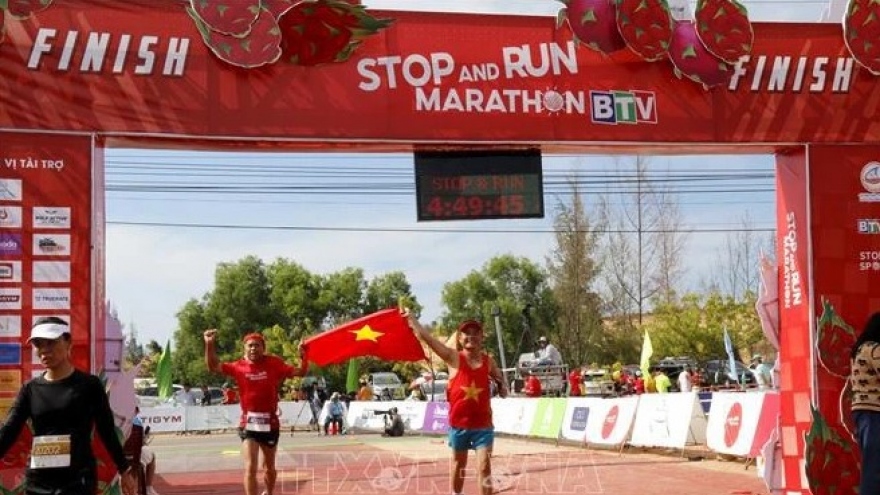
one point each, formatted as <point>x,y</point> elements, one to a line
<point>63,405</point>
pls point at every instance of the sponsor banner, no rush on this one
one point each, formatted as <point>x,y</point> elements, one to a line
<point>514,415</point>
<point>10,190</point>
<point>10,325</point>
<point>499,79</point>
<point>51,272</point>
<point>370,415</point>
<point>733,422</point>
<point>166,419</point>
<point>51,299</point>
<point>293,414</point>
<point>10,354</point>
<point>51,177</point>
<point>51,244</point>
<point>548,417</point>
<point>6,405</point>
<point>215,417</point>
<point>577,414</point>
<point>10,272</point>
<point>10,244</point>
<point>10,217</point>
<point>436,417</point>
<point>10,298</point>
<point>669,420</point>
<point>611,420</point>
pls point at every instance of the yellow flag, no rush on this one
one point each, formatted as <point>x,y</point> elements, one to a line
<point>647,352</point>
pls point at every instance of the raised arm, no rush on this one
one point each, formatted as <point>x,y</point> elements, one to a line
<point>447,354</point>
<point>211,360</point>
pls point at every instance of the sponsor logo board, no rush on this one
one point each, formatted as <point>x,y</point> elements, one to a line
<point>10,190</point>
<point>51,272</point>
<point>51,217</point>
<point>10,298</point>
<point>10,244</point>
<point>51,245</point>
<point>10,271</point>
<point>51,298</point>
<point>10,326</point>
<point>10,217</point>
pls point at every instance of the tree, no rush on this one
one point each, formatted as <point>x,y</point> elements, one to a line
<point>573,270</point>
<point>342,296</point>
<point>512,285</point>
<point>386,291</point>
<point>642,255</point>
<point>738,265</point>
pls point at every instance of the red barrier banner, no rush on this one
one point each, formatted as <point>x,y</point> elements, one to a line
<point>140,68</point>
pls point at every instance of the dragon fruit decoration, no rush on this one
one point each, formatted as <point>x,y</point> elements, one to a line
<point>23,9</point>
<point>646,27</point>
<point>226,17</point>
<point>724,28</point>
<point>261,46</point>
<point>325,31</point>
<point>861,32</point>
<point>692,60</point>
<point>593,23</point>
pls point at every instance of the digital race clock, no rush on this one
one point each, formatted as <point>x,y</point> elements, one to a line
<point>474,185</point>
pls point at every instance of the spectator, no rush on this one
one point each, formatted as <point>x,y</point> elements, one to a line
<point>662,382</point>
<point>639,385</point>
<point>547,355</point>
<point>206,396</point>
<point>365,392</point>
<point>763,372</point>
<point>185,396</point>
<point>533,385</point>
<point>148,457</point>
<point>336,413</point>
<point>865,407</point>
<point>575,379</point>
<point>684,380</point>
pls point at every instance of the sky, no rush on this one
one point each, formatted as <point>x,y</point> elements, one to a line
<point>162,248</point>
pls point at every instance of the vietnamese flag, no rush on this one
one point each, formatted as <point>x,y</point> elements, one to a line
<point>385,335</point>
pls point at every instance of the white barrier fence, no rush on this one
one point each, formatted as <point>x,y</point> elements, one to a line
<point>737,423</point>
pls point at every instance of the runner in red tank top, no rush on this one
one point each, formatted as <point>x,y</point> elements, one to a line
<point>468,392</point>
<point>258,377</point>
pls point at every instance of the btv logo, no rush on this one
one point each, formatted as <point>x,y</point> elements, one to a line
<point>623,107</point>
<point>869,226</point>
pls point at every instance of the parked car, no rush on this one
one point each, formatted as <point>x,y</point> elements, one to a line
<point>387,386</point>
<point>149,396</point>
<point>673,366</point>
<point>435,390</point>
<point>717,373</point>
<point>215,394</point>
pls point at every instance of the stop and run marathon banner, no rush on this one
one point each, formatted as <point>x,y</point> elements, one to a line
<point>740,423</point>
<point>140,68</point>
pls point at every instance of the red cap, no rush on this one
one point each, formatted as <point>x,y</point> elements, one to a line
<point>470,324</point>
<point>254,336</point>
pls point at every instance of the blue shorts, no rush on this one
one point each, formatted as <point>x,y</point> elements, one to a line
<point>464,439</point>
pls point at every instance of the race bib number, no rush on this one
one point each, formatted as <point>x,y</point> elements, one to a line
<point>50,451</point>
<point>258,422</point>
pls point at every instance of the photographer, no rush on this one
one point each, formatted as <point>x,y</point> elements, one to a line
<point>393,424</point>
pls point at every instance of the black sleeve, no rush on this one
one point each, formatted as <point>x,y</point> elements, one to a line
<point>15,420</point>
<point>105,425</point>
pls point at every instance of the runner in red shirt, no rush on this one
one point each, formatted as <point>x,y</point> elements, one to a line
<point>258,377</point>
<point>574,383</point>
<point>470,412</point>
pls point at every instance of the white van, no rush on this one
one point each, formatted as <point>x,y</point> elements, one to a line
<point>386,385</point>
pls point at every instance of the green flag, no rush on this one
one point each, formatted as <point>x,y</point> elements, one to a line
<point>647,352</point>
<point>163,373</point>
<point>351,381</point>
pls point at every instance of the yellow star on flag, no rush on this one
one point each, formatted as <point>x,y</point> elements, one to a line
<point>366,333</point>
<point>472,391</point>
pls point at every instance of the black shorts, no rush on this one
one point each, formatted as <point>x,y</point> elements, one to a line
<point>269,438</point>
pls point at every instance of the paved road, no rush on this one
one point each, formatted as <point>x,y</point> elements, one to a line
<point>369,463</point>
